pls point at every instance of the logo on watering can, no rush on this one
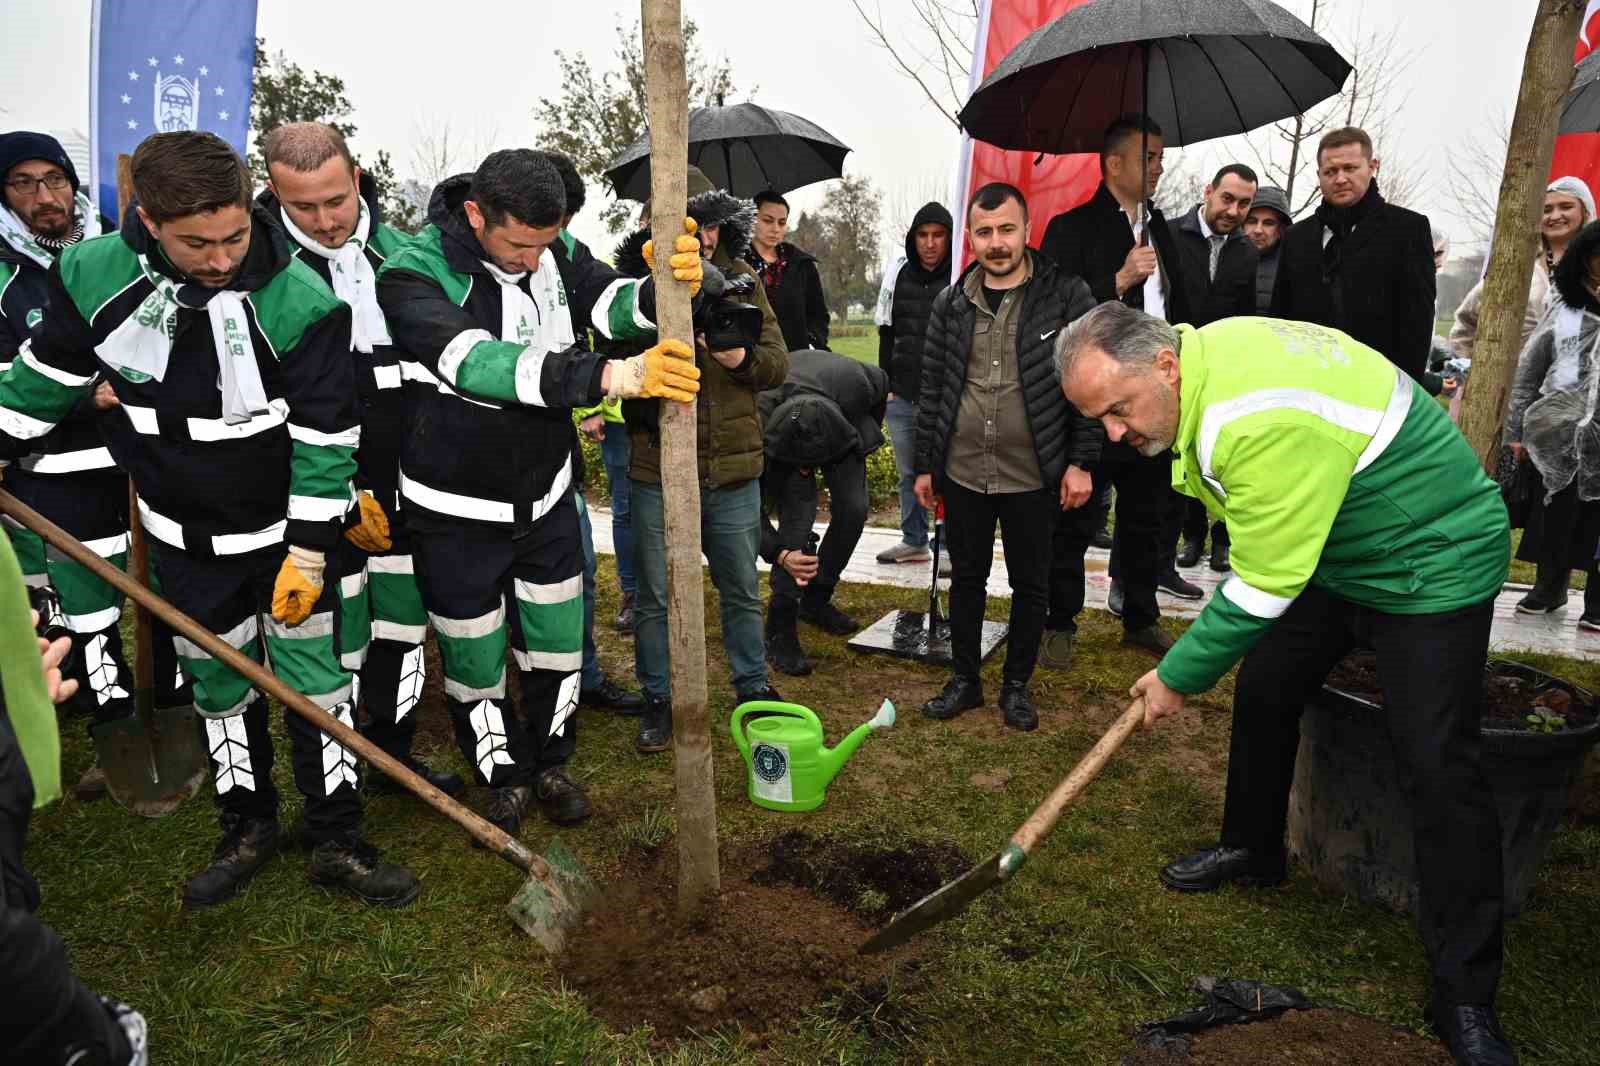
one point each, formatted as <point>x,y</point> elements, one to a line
<point>771,763</point>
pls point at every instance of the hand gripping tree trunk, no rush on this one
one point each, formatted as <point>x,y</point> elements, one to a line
<point>699,877</point>
<point>1546,76</point>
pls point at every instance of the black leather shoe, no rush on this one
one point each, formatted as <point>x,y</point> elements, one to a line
<point>1017,706</point>
<point>353,866</point>
<point>611,696</point>
<point>562,801</point>
<point>507,806</point>
<point>1210,868</point>
<point>959,694</point>
<point>246,846</point>
<point>623,623</point>
<point>828,618</point>
<point>1151,638</point>
<point>1176,584</point>
<point>1219,558</point>
<point>786,655</point>
<point>379,783</point>
<point>1189,554</point>
<point>655,727</point>
<point>765,692</point>
<point>1473,1035</point>
<point>1101,539</point>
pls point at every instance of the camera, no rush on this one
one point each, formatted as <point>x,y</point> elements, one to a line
<point>722,312</point>
<point>53,626</point>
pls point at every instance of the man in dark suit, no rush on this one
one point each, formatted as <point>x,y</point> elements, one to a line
<point>1359,263</point>
<point>1219,275</point>
<point>1104,242</point>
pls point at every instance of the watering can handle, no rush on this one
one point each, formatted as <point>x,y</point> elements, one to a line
<point>791,710</point>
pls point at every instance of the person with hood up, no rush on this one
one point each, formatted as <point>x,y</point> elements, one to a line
<point>485,305</point>
<point>1550,422</point>
<point>237,420</point>
<point>729,454</point>
<point>1264,227</point>
<point>905,302</point>
<point>789,274</point>
<point>329,209</point>
<point>825,418</point>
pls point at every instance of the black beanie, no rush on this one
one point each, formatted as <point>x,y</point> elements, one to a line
<point>23,145</point>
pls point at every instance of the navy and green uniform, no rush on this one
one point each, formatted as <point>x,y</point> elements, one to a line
<point>383,623</point>
<point>486,474</point>
<point>1358,514</point>
<point>220,498</point>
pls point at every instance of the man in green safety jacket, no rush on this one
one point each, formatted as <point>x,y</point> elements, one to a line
<point>1358,514</point>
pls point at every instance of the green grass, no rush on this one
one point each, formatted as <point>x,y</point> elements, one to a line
<point>863,349</point>
<point>1058,967</point>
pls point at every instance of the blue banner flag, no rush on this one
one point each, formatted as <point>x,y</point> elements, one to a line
<point>164,65</point>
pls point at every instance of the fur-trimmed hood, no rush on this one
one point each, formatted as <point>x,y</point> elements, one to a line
<point>1572,272</point>
<point>629,255</point>
<point>709,206</point>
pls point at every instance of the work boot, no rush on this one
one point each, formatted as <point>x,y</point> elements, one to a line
<point>1114,599</point>
<point>1177,585</point>
<point>506,808</point>
<point>562,801</point>
<point>901,552</point>
<point>1472,1033</point>
<point>91,786</point>
<point>1219,558</point>
<point>245,847</point>
<point>351,865</point>
<point>611,696</point>
<point>1549,592</point>
<point>378,783</point>
<point>959,694</point>
<point>655,727</point>
<point>1056,651</point>
<point>1102,538</point>
<point>783,642</point>
<point>826,617</point>
<point>1189,554</point>
<point>1016,705</point>
<point>1210,868</point>
<point>623,623</point>
<point>765,692</point>
<point>1151,638</point>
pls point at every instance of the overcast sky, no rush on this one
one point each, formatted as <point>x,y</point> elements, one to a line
<point>485,64</point>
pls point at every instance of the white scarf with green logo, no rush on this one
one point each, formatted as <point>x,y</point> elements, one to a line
<point>354,280</point>
<point>19,236</point>
<point>540,320</point>
<point>140,347</point>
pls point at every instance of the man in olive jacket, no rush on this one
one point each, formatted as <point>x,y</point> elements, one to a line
<point>730,460</point>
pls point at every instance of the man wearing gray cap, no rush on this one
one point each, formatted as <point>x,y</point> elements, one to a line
<point>1264,226</point>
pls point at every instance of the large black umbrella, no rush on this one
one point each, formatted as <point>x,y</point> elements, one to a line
<point>743,148</point>
<point>1580,110</point>
<point>1199,68</point>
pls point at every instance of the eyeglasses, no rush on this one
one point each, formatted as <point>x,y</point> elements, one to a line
<point>28,186</point>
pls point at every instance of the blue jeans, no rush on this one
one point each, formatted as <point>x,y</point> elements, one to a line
<point>901,417</point>
<point>730,535</point>
<point>614,451</point>
<point>592,676</point>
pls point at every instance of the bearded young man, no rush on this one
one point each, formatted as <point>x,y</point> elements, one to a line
<point>237,421</point>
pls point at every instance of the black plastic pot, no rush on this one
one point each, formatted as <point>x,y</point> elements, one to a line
<point>1349,820</point>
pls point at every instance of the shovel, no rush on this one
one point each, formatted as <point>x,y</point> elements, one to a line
<point>954,898</point>
<point>154,760</point>
<point>547,905</point>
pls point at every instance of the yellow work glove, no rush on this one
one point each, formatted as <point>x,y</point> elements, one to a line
<point>686,262</point>
<point>371,534</point>
<point>299,585</point>
<point>666,371</point>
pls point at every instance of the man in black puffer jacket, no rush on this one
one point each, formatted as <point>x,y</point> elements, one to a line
<point>999,441</point>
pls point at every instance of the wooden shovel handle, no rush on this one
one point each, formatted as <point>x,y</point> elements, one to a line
<point>1044,816</point>
<point>492,837</point>
<point>144,661</point>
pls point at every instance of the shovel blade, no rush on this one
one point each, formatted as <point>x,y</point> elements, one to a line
<point>548,905</point>
<point>151,772</point>
<point>938,906</point>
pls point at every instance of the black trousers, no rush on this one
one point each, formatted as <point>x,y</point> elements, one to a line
<point>1143,486</point>
<point>795,491</point>
<point>1194,524</point>
<point>1431,669</point>
<point>1026,520</point>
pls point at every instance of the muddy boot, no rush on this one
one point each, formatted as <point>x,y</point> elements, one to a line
<point>245,847</point>
<point>351,865</point>
<point>562,801</point>
<point>507,807</point>
<point>623,623</point>
<point>91,786</point>
<point>655,727</point>
<point>783,640</point>
<point>1549,592</point>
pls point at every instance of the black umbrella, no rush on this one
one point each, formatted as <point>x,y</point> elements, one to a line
<point>743,148</point>
<point>1580,110</point>
<point>1199,68</point>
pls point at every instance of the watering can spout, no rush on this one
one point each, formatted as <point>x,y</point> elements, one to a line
<point>833,759</point>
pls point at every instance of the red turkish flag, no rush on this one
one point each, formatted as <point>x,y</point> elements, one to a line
<point>1059,182</point>
<point>1578,154</point>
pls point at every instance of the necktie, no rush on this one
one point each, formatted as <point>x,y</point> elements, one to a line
<point>1217,241</point>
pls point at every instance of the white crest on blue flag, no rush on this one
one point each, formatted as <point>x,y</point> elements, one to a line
<point>177,103</point>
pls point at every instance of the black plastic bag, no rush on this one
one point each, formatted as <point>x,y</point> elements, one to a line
<point>1519,484</point>
<point>1228,1002</point>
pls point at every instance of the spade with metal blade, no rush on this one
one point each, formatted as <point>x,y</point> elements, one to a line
<point>549,902</point>
<point>1001,867</point>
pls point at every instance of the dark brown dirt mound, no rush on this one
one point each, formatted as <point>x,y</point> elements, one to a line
<point>1322,1037</point>
<point>773,951</point>
<point>875,882</point>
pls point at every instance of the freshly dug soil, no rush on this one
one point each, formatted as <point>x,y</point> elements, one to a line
<point>876,883</point>
<point>1321,1037</point>
<point>773,951</point>
<point>1507,701</point>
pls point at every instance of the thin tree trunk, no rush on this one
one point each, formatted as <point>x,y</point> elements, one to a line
<point>1546,76</point>
<point>666,87</point>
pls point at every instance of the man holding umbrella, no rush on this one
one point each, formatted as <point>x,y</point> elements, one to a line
<point>1303,439</point>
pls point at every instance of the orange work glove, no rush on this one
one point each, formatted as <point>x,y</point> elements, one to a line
<point>666,371</point>
<point>371,534</point>
<point>299,585</point>
<point>686,262</point>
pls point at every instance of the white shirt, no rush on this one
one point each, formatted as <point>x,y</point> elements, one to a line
<point>1154,304</point>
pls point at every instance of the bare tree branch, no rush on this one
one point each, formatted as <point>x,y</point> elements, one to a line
<point>947,108</point>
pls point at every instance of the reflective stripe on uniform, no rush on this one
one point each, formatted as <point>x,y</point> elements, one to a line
<point>347,438</point>
<point>559,592</point>
<point>454,503</point>
<point>68,462</point>
<point>95,621</point>
<point>455,353</point>
<point>317,508</point>
<point>170,532</point>
<point>1394,416</point>
<point>548,660</point>
<point>386,377</point>
<point>1252,600</point>
<point>1348,416</point>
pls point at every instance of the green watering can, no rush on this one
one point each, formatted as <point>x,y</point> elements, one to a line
<point>789,765</point>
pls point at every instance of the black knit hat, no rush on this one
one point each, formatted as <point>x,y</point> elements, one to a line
<point>23,145</point>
